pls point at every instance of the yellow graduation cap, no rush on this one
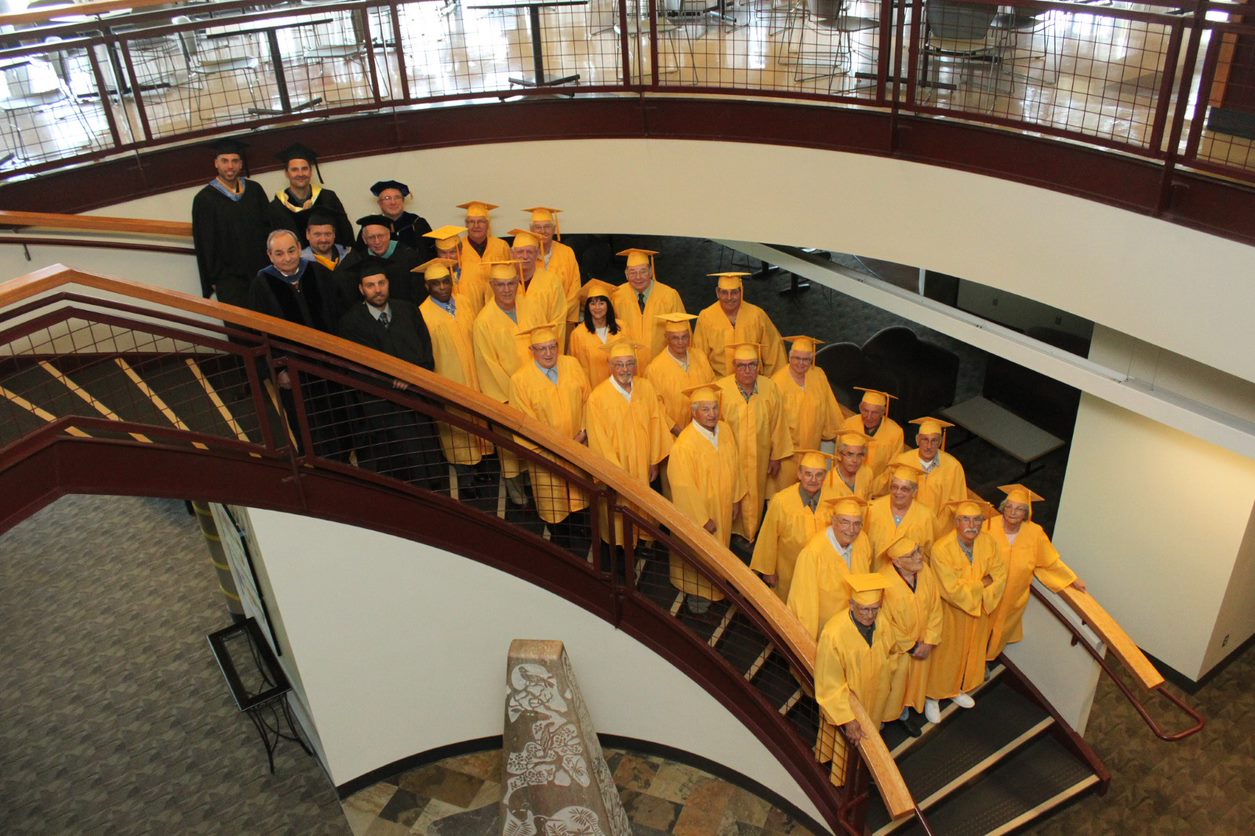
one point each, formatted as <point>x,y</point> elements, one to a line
<point>676,323</point>
<point>730,280</point>
<point>503,270</point>
<point>744,351</point>
<point>478,209</point>
<point>637,257</point>
<point>545,214</point>
<point>907,472</point>
<point>1019,493</point>
<point>525,238</point>
<point>969,508</point>
<point>803,343</point>
<point>705,393</point>
<point>852,438</point>
<point>931,426</point>
<point>437,268</point>
<point>596,287</point>
<point>814,458</point>
<point>875,397</point>
<point>900,547</point>
<point>446,237</point>
<point>866,588</point>
<point>622,348</point>
<point>540,335</point>
<point>846,506</point>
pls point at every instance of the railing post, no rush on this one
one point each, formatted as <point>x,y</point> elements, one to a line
<point>396,38</point>
<point>623,41</point>
<point>140,110</point>
<point>653,45</point>
<point>1183,103</point>
<point>103,88</point>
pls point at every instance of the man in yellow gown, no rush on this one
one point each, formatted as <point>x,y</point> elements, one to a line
<point>900,513</point>
<point>971,573</point>
<point>753,409</point>
<point>706,484</point>
<point>943,481</point>
<point>472,287</point>
<point>627,426</point>
<point>912,612</point>
<point>678,368</point>
<point>818,589</point>
<point>1029,554</point>
<point>792,519</point>
<point>639,302</point>
<point>542,289</point>
<point>810,408</point>
<point>449,321</point>
<point>873,421</point>
<point>850,475</point>
<point>552,389</point>
<point>557,258</point>
<point>732,321</point>
<point>480,247</point>
<point>851,658</point>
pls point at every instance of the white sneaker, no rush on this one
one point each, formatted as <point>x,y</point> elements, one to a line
<point>962,700</point>
<point>932,711</point>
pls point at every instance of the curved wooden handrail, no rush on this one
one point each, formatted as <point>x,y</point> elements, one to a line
<point>95,223</point>
<point>1113,635</point>
<point>720,562</point>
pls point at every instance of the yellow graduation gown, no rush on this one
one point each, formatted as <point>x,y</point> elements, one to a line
<point>670,379</point>
<point>704,483</point>
<point>819,590</point>
<point>634,434</point>
<point>585,346</point>
<point>455,360</point>
<point>886,445</point>
<point>787,527</point>
<point>947,483</point>
<point>714,333</point>
<point>910,616</point>
<point>645,328</point>
<point>560,260</point>
<point>1032,554</point>
<point>561,408</point>
<point>547,300</point>
<point>846,664</point>
<point>958,663</point>
<point>835,487</point>
<point>761,435</point>
<point>500,351</point>
<point>473,281</point>
<point>919,523</point>
<point>812,414</point>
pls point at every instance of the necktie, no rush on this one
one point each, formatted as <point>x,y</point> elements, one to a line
<point>383,319</point>
<point>640,300</point>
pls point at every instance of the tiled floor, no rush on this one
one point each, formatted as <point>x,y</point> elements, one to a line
<point>659,795</point>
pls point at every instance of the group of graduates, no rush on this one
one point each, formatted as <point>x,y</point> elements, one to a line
<point>908,585</point>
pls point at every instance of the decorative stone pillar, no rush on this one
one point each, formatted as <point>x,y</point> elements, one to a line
<point>556,781</point>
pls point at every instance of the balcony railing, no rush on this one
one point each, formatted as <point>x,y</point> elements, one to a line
<point>1163,81</point>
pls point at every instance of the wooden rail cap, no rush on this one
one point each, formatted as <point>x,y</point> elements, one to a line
<point>1113,635</point>
<point>95,223</point>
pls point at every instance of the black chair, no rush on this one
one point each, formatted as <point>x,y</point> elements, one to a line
<point>847,366</point>
<point>928,373</point>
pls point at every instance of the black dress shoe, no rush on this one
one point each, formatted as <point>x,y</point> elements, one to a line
<point>913,724</point>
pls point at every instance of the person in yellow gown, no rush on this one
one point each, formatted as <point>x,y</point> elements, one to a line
<point>818,589</point>
<point>599,327</point>
<point>732,321</point>
<point>851,658</point>
<point>471,287</point>
<point>640,300</point>
<point>557,258</point>
<point>677,369</point>
<point>971,573</point>
<point>900,513</point>
<point>552,390</point>
<point>850,475</point>
<point>810,408</point>
<point>706,484</point>
<point>480,247</point>
<point>873,421</point>
<point>912,612</point>
<point>449,321</point>
<point>541,288</point>
<point>1029,554</point>
<point>792,519</point>
<point>944,480</point>
<point>626,426</point>
<point>753,409</point>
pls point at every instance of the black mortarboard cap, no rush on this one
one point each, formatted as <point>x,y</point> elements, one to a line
<point>369,267</point>
<point>381,220</point>
<point>299,151</point>
<point>320,219</point>
<point>228,145</point>
<point>390,184</point>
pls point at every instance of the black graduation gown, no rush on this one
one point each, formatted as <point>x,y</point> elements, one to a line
<point>403,285</point>
<point>230,240</point>
<point>313,302</point>
<point>409,230</point>
<point>327,202</point>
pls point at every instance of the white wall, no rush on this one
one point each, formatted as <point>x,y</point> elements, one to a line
<point>402,648</point>
<point>1064,673</point>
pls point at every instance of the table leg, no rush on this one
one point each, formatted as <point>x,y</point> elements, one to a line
<point>538,57</point>
<point>281,80</point>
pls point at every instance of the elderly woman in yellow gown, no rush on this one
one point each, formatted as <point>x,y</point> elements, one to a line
<point>1029,554</point>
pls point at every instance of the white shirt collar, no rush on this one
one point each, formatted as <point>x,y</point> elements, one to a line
<point>712,437</point>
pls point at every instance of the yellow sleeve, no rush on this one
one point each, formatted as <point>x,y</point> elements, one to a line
<point>520,399</point>
<point>804,594</point>
<point>766,547</point>
<point>832,689</point>
<point>1050,568</point>
<point>997,569</point>
<point>962,592</point>
<point>781,441</point>
<point>682,475</point>
<point>598,420</point>
<point>494,380</point>
<point>927,580</point>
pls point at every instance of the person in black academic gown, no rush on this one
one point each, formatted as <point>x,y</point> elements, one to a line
<point>391,439</point>
<point>375,245</point>
<point>293,206</point>
<point>406,227</point>
<point>229,227</point>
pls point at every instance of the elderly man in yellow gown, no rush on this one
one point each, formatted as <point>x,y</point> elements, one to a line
<point>677,369</point>
<point>480,247</point>
<point>472,287</point>
<point>873,421</point>
<point>732,321</point>
<point>639,302</point>
<point>943,481</point>
<point>971,573</point>
<point>753,409</point>
<point>900,513</point>
<point>707,484</point>
<point>912,612</point>
<point>627,426</point>
<point>850,475</point>
<point>792,519</point>
<point>542,289</point>
<point>851,660</point>
<point>1029,554</point>
<point>449,321</point>
<point>552,389</point>
<point>557,257</point>
<point>818,589</point>
<point>810,408</point>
